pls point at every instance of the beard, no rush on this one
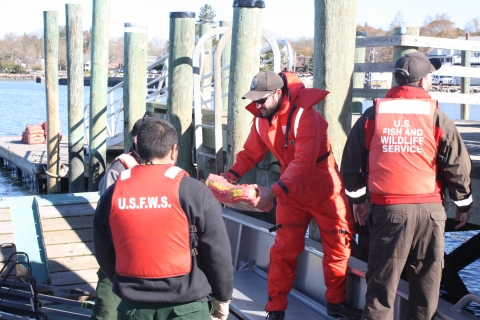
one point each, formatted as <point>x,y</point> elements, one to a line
<point>271,111</point>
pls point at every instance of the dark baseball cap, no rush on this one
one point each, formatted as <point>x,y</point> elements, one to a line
<point>263,84</point>
<point>413,67</point>
<point>138,125</point>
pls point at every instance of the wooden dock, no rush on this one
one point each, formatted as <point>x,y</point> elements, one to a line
<point>32,159</point>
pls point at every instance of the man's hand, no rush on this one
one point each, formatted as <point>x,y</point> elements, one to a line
<point>360,213</point>
<point>264,198</point>
<point>465,216</point>
<point>220,309</point>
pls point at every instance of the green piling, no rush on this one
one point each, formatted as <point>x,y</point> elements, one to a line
<point>135,81</point>
<point>51,92</point>
<point>180,83</point>
<point>465,82</point>
<point>76,180</point>
<point>98,93</point>
<point>226,55</point>
<point>207,62</point>
<point>333,62</point>
<point>399,52</point>
<point>245,62</point>
<point>358,78</point>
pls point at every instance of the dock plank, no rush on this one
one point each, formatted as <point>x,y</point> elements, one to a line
<point>6,227</point>
<point>88,287</point>
<point>67,236</point>
<point>67,223</point>
<point>5,214</point>
<point>61,211</point>
<point>72,263</point>
<point>69,250</point>
<point>73,278</point>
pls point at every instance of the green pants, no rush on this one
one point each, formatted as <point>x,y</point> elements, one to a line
<point>128,310</point>
<point>106,302</point>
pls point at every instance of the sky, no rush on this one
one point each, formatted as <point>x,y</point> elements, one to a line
<point>282,18</point>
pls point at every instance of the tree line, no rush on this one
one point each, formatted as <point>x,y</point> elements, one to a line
<point>25,52</point>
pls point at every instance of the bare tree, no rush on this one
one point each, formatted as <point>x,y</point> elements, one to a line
<point>440,26</point>
<point>473,27</point>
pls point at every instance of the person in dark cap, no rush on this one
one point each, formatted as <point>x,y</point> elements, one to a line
<point>106,302</point>
<point>404,151</point>
<point>286,124</point>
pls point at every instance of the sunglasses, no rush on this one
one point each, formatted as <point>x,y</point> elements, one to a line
<point>263,100</point>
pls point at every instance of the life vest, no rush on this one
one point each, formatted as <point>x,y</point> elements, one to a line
<point>150,230</point>
<point>127,160</point>
<point>403,150</point>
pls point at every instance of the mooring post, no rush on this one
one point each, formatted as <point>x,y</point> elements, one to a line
<point>206,26</point>
<point>135,80</point>
<point>98,93</point>
<point>225,59</point>
<point>76,171</point>
<point>180,82</point>
<point>358,78</point>
<point>245,62</point>
<point>399,52</point>
<point>465,82</point>
<point>51,91</point>
<point>333,63</point>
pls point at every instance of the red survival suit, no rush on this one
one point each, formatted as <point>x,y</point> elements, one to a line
<point>140,253</point>
<point>309,186</point>
<point>127,159</point>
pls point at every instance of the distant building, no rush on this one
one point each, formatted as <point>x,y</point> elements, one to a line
<point>452,57</point>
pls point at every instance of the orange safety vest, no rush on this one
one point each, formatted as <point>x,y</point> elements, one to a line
<point>150,230</point>
<point>127,160</point>
<point>403,149</point>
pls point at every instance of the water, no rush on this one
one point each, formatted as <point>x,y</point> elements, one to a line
<point>23,102</point>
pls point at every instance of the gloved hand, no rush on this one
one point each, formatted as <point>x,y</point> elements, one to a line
<point>230,177</point>
<point>220,309</point>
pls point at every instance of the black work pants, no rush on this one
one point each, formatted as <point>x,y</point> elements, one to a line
<point>410,235</point>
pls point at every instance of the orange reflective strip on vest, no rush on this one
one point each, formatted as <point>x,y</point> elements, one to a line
<point>403,149</point>
<point>150,231</point>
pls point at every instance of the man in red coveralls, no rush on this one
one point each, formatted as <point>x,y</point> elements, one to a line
<point>286,124</point>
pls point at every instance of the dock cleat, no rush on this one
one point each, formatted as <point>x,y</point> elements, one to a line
<point>343,311</point>
<point>276,315</point>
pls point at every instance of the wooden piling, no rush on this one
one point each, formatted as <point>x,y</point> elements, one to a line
<point>465,82</point>
<point>226,54</point>
<point>399,52</point>
<point>98,93</point>
<point>180,83</point>
<point>51,91</point>
<point>245,61</point>
<point>334,56</point>
<point>207,62</point>
<point>76,180</point>
<point>135,79</point>
<point>358,78</point>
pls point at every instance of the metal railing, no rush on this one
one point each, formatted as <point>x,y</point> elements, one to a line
<point>114,106</point>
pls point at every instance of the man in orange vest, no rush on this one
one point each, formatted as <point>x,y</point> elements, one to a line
<point>159,237</point>
<point>406,151</point>
<point>286,124</point>
<point>106,302</point>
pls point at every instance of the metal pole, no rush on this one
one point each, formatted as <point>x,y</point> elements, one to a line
<point>76,181</point>
<point>135,81</point>
<point>399,52</point>
<point>359,77</point>
<point>245,61</point>
<point>465,82</point>
<point>51,91</point>
<point>207,64</point>
<point>180,83</point>
<point>98,93</point>
<point>226,54</point>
